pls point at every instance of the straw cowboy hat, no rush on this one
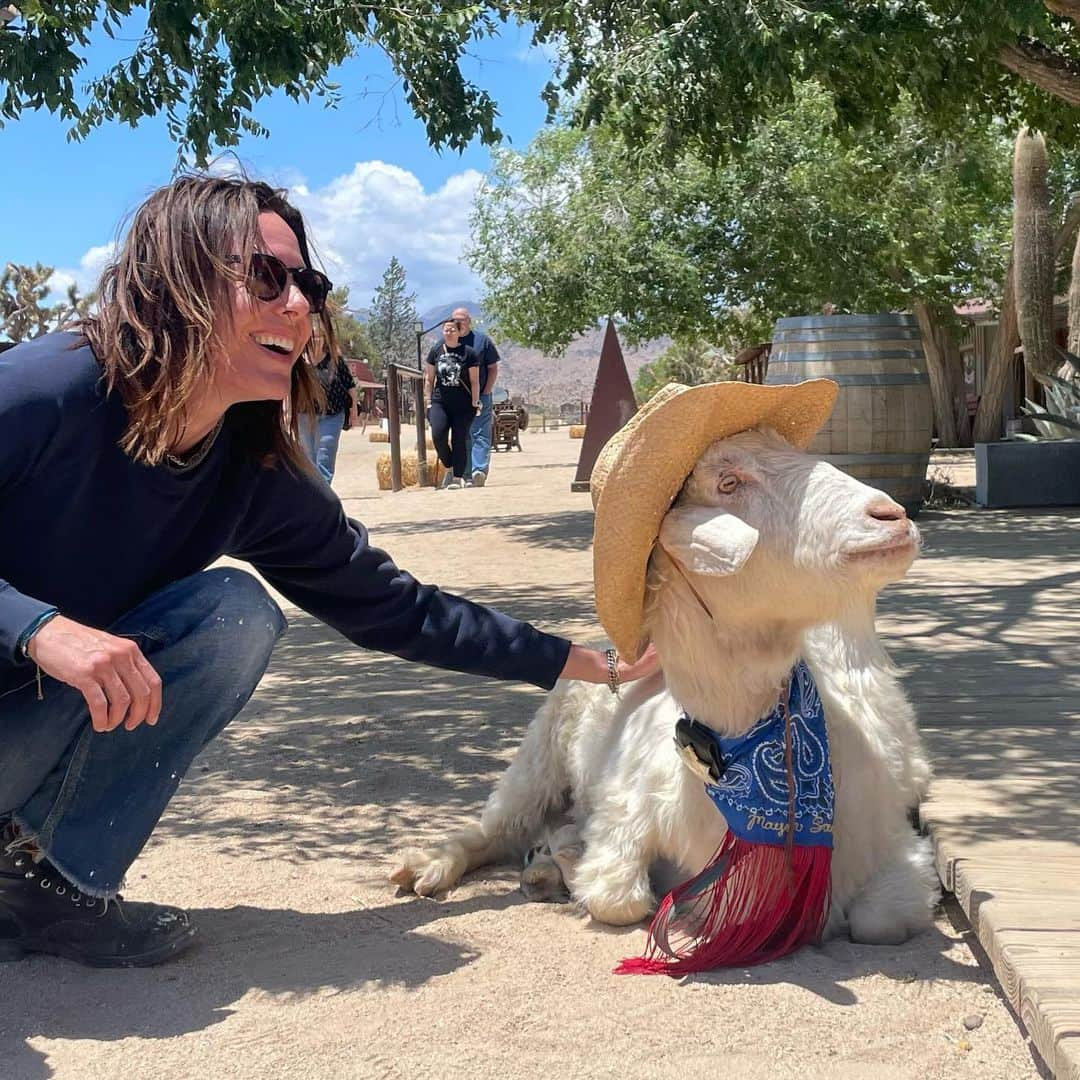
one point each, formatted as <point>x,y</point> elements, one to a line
<point>643,466</point>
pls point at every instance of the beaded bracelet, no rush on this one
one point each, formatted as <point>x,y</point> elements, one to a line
<point>27,635</point>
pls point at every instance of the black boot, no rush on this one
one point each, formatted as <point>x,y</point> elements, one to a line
<point>42,912</point>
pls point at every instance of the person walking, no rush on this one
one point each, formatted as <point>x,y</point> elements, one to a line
<point>481,427</point>
<point>452,386</point>
<point>321,433</point>
<point>136,449</point>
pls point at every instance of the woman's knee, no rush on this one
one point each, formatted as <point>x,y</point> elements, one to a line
<point>241,600</point>
<point>210,603</point>
<point>236,631</point>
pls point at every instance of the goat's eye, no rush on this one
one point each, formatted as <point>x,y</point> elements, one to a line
<point>727,484</point>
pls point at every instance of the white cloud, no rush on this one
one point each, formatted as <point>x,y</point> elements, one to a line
<point>357,222</point>
<point>360,220</point>
<point>85,275</point>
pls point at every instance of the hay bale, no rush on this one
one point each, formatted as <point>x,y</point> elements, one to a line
<point>409,471</point>
<point>378,436</point>
<point>577,431</point>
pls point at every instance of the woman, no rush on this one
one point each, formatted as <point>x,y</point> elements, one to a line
<point>321,433</point>
<point>134,453</point>
<point>452,386</point>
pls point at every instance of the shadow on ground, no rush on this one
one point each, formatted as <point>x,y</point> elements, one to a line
<point>362,753</point>
<point>567,530</point>
<point>275,952</point>
<point>286,954</point>
<point>992,665</point>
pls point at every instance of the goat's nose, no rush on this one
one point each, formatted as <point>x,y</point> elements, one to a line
<point>884,509</point>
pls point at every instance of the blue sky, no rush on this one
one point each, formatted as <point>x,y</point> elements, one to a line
<point>363,174</point>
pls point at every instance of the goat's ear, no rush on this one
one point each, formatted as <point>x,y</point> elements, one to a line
<point>707,540</point>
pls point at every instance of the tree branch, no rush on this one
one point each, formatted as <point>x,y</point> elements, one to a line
<point>1048,70</point>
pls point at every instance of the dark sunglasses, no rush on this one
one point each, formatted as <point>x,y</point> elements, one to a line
<point>268,278</point>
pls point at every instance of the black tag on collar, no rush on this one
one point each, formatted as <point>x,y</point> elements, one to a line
<point>698,748</point>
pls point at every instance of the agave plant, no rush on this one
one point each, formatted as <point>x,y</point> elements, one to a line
<point>1061,418</point>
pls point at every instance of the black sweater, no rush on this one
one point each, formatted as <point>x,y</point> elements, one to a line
<point>87,530</point>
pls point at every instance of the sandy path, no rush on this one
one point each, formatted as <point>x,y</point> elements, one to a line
<point>312,967</point>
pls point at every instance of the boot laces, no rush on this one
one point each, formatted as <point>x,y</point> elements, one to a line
<point>50,881</point>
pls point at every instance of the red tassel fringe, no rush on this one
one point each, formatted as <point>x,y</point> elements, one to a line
<point>757,908</point>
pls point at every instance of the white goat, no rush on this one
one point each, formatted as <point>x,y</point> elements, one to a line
<point>788,554</point>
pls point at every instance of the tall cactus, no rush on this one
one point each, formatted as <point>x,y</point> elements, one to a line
<point>1074,301</point>
<point>1033,239</point>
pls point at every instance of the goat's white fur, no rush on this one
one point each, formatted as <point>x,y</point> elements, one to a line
<point>789,563</point>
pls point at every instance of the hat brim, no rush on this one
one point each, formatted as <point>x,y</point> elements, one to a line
<point>644,465</point>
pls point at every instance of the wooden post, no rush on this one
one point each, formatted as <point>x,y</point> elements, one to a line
<point>421,434</point>
<point>393,405</point>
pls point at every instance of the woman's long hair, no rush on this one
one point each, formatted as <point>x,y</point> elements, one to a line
<point>160,303</point>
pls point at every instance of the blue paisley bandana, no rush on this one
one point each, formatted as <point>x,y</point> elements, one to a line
<point>752,793</point>
<point>756,899</point>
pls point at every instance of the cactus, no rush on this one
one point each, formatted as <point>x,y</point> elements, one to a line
<point>1074,301</point>
<point>1033,239</point>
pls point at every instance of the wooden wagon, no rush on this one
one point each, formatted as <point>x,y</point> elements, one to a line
<point>506,425</point>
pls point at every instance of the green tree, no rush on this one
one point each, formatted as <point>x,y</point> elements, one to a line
<point>205,64</point>
<point>25,312</point>
<point>709,69</point>
<point>392,325</point>
<point>352,334</point>
<point>575,229</point>
<point>688,362</point>
<point>689,74</point>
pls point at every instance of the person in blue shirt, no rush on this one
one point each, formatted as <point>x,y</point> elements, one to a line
<point>480,431</point>
<point>158,435</point>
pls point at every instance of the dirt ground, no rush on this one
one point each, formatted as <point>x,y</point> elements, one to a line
<point>311,966</point>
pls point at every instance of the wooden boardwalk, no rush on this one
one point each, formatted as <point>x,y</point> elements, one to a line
<point>988,628</point>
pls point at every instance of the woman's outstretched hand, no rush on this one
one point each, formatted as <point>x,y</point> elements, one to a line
<point>590,665</point>
<point>647,664</point>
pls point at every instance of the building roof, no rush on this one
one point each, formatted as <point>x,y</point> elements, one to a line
<point>363,374</point>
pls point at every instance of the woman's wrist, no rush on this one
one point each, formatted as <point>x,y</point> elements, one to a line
<point>605,666</point>
<point>585,665</point>
<point>27,636</point>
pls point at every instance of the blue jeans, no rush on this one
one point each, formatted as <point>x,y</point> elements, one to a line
<point>480,438</point>
<point>320,436</point>
<point>91,799</point>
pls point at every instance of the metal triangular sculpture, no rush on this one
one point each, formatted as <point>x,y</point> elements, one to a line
<point>612,405</point>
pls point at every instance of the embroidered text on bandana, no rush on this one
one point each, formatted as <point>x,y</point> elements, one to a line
<point>758,898</point>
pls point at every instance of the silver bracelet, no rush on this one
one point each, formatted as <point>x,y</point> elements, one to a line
<point>612,658</point>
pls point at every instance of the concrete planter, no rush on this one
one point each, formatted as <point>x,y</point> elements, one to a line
<point>1043,473</point>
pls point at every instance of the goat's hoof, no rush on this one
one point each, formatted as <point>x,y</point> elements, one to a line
<point>879,928</point>
<point>624,912</point>
<point>542,881</point>
<point>426,873</point>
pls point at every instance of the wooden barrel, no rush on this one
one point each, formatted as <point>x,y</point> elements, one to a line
<point>880,430</point>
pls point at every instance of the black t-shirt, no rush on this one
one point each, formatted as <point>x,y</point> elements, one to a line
<point>453,387</point>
